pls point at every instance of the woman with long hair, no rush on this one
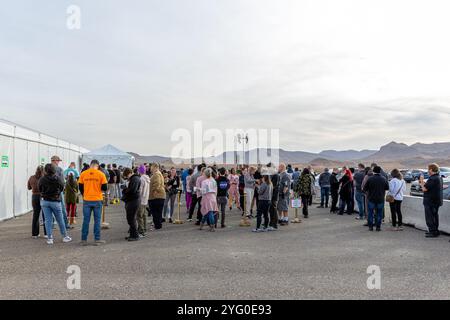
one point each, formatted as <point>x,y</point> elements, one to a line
<point>209,205</point>
<point>71,197</point>
<point>173,185</point>
<point>33,185</point>
<point>51,187</point>
<point>234,189</point>
<point>397,188</point>
<point>346,192</point>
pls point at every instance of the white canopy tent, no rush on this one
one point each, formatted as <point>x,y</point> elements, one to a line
<point>109,155</point>
<point>21,151</point>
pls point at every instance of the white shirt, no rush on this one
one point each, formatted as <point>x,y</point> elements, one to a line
<point>397,186</point>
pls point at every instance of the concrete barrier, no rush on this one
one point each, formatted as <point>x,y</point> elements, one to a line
<point>414,214</point>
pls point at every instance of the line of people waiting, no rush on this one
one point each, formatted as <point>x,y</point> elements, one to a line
<point>149,190</point>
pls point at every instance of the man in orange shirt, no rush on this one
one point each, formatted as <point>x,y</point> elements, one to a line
<point>92,185</point>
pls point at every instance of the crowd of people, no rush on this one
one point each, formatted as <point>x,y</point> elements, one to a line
<point>261,192</point>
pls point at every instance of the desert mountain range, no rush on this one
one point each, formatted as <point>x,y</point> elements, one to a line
<point>391,155</point>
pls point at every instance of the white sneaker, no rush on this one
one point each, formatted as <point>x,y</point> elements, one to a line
<point>67,239</point>
<point>50,241</point>
<point>45,237</point>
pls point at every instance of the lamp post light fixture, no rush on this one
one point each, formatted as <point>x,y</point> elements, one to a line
<point>245,222</point>
<point>242,139</point>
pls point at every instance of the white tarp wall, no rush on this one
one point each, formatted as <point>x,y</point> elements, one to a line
<point>21,151</point>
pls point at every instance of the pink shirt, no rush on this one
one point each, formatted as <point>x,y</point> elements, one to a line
<point>198,185</point>
<point>234,179</point>
<point>209,196</point>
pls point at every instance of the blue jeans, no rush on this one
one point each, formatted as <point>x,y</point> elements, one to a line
<point>360,199</point>
<point>64,211</point>
<point>379,207</point>
<point>210,218</point>
<point>343,203</point>
<point>53,209</point>
<point>90,207</point>
<point>324,196</point>
<point>118,191</point>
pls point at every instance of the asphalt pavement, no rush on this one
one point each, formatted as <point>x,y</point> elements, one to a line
<point>324,257</point>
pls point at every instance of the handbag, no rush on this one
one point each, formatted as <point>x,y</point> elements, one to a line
<point>390,198</point>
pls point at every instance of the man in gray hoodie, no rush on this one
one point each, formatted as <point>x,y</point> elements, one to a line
<point>325,186</point>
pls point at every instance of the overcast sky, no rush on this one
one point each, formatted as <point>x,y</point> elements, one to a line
<point>329,74</point>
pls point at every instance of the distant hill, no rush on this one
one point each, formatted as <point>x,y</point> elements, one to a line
<point>395,151</point>
<point>346,155</point>
<point>441,149</point>
<point>392,155</point>
<point>150,159</point>
<point>326,163</point>
<point>401,151</point>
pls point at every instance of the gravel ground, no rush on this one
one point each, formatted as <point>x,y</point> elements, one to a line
<point>324,257</point>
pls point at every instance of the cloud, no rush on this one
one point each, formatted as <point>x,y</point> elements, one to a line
<point>328,74</point>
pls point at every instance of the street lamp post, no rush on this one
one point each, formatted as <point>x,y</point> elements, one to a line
<point>245,221</point>
<point>243,139</point>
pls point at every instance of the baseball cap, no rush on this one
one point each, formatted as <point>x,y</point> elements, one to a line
<point>56,158</point>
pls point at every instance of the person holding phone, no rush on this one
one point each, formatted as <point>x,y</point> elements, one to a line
<point>432,199</point>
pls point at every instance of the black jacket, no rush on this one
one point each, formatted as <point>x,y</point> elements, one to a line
<point>51,187</point>
<point>334,183</point>
<point>174,185</point>
<point>132,192</point>
<point>434,194</point>
<point>346,188</point>
<point>375,188</point>
<point>276,187</point>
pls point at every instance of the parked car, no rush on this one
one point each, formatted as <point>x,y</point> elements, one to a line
<point>445,172</point>
<point>408,177</point>
<point>416,189</point>
<point>416,173</point>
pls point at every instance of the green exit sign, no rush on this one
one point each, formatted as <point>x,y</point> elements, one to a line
<point>5,162</point>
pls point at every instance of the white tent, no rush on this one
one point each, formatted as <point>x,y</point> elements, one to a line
<point>109,155</point>
<point>21,151</point>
